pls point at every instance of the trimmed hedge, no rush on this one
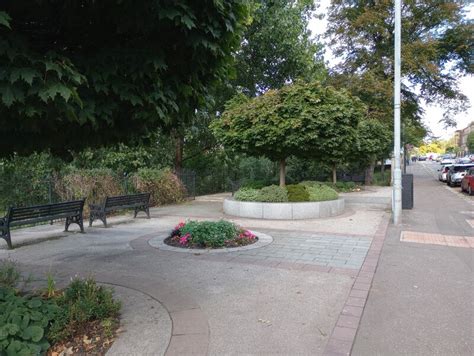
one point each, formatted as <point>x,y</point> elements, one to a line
<point>273,194</point>
<point>306,191</point>
<point>297,193</point>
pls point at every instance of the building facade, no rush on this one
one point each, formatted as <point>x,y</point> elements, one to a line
<point>460,137</point>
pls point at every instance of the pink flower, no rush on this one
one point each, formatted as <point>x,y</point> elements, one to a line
<point>183,240</point>
<point>179,226</point>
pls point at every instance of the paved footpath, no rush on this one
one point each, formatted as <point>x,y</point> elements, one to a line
<point>421,300</point>
<point>302,294</point>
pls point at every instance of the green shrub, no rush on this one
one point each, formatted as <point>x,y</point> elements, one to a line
<point>24,322</point>
<point>321,192</point>
<point>247,194</point>
<point>210,233</point>
<point>297,193</point>
<point>254,184</point>
<point>9,274</point>
<point>92,184</point>
<point>273,194</point>
<point>382,179</point>
<point>338,187</point>
<point>164,186</point>
<point>82,301</point>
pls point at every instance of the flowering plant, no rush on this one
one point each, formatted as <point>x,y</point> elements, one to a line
<point>209,234</point>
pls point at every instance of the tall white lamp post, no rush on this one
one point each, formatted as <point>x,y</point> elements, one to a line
<point>397,173</point>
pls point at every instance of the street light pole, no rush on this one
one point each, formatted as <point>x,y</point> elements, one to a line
<point>397,173</point>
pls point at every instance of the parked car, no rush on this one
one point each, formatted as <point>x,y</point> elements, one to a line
<point>422,158</point>
<point>456,173</point>
<point>446,161</point>
<point>467,183</point>
<point>443,171</point>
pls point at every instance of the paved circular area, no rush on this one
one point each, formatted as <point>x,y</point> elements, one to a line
<point>144,323</point>
<point>158,242</point>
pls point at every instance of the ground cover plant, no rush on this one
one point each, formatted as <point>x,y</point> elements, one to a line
<point>80,319</point>
<point>209,234</point>
<point>302,192</point>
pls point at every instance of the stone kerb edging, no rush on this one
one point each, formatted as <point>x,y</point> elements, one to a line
<point>159,243</point>
<point>284,211</point>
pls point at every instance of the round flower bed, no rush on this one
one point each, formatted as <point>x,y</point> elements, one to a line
<point>307,200</point>
<point>209,234</point>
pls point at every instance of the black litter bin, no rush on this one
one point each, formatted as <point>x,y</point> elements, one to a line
<point>407,191</point>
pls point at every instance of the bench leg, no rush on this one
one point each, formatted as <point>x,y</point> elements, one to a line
<point>80,222</point>
<point>6,236</point>
<point>74,220</point>
<point>145,209</point>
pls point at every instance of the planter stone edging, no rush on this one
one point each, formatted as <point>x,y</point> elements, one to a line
<point>159,243</point>
<point>284,211</point>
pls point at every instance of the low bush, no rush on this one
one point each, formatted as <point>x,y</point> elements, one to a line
<point>92,184</point>
<point>338,187</point>
<point>24,323</point>
<point>82,301</point>
<point>247,194</point>
<point>210,234</point>
<point>164,186</point>
<point>254,184</point>
<point>30,322</point>
<point>9,274</point>
<point>297,193</point>
<point>321,193</point>
<point>382,179</point>
<point>273,194</point>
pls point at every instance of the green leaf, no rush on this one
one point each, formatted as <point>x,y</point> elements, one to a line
<point>34,303</point>
<point>7,96</point>
<point>33,332</point>
<point>5,19</point>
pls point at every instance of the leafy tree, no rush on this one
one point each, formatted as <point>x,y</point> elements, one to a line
<point>436,38</point>
<point>373,142</point>
<point>305,120</point>
<point>277,47</point>
<point>436,43</point>
<point>88,73</point>
<point>470,142</point>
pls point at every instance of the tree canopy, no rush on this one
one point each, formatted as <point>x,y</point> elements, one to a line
<point>90,73</point>
<point>277,47</point>
<point>436,44</point>
<point>470,142</point>
<point>303,119</point>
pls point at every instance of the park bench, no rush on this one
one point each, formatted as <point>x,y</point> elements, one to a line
<point>18,216</point>
<point>138,202</point>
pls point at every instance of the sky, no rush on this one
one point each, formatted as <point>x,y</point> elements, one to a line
<point>433,114</point>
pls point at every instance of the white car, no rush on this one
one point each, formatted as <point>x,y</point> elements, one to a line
<point>446,161</point>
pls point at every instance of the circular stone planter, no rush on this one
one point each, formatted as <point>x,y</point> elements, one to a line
<point>284,211</point>
<point>159,243</point>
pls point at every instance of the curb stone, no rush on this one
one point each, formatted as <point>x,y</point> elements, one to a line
<point>344,333</point>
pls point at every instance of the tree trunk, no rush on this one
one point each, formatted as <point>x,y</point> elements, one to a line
<point>282,172</point>
<point>178,153</point>
<point>382,169</point>
<point>369,173</point>
<point>334,174</point>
